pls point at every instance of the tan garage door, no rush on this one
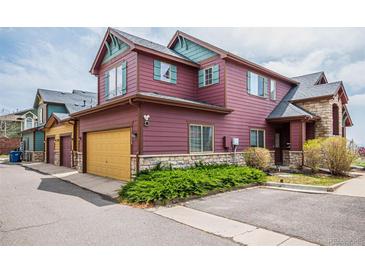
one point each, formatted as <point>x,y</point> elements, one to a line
<point>108,153</point>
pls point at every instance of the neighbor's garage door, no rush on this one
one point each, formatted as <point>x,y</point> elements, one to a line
<point>66,148</point>
<point>50,151</point>
<point>108,153</point>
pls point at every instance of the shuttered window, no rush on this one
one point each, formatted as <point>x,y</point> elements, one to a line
<point>164,72</point>
<point>200,138</point>
<point>257,84</point>
<point>209,76</point>
<point>257,138</point>
<point>115,81</point>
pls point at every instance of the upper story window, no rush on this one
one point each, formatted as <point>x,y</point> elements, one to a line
<point>115,81</point>
<point>200,138</point>
<point>273,89</point>
<point>257,138</point>
<point>28,123</point>
<point>209,76</point>
<point>164,72</point>
<point>257,84</point>
<point>40,114</point>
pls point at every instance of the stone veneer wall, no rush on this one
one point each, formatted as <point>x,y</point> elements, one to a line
<point>57,161</point>
<point>323,108</point>
<point>33,156</point>
<point>77,160</point>
<point>293,158</point>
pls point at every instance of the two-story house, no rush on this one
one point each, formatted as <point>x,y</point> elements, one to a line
<point>191,102</point>
<point>46,103</point>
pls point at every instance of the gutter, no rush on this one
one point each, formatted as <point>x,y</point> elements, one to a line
<point>149,99</point>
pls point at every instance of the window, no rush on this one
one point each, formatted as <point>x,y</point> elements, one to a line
<point>256,84</point>
<point>40,115</point>
<point>208,76</point>
<point>257,138</point>
<point>273,89</point>
<point>200,138</point>
<point>115,81</point>
<point>28,123</point>
<point>164,72</point>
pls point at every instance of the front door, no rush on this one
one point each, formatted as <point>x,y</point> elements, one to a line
<point>278,149</point>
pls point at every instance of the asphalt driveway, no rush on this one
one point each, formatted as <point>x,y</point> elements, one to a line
<point>325,219</point>
<point>38,209</point>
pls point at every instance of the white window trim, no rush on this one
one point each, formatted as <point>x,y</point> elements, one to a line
<point>115,69</point>
<point>276,87</point>
<point>258,129</point>
<point>205,69</point>
<point>161,74</point>
<point>201,142</point>
<point>40,114</point>
<point>26,123</point>
<point>249,90</point>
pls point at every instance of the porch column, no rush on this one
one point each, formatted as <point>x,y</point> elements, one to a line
<point>297,139</point>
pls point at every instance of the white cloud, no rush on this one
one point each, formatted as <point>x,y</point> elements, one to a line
<point>353,74</point>
<point>357,100</point>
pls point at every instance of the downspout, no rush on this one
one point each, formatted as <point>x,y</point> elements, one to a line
<point>139,133</point>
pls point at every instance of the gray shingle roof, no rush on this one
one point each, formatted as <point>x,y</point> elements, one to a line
<point>75,101</point>
<point>149,44</point>
<point>61,116</point>
<point>288,110</point>
<point>306,89</point>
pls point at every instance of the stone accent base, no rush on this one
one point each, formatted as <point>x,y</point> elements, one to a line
<point>33,156</point>
<point>185,160</point>
<point>57,160</point>
<point>293,158</point>
<point>77,160</point>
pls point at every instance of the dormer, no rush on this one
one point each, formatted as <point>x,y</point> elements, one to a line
<point>321,80</point>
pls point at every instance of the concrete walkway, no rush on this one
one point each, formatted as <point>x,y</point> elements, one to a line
<point>239,232</point>
<point>353,187</point>
<point>100,185</point>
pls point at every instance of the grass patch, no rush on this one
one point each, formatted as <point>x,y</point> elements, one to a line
<point>315,179</point>
<point>163,186</point>
<point>360,162</point>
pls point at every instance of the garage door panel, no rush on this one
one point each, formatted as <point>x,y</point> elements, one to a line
<point>108,153</point>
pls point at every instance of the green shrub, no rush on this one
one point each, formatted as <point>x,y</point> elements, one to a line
<point>257,157</point>
<point>161,186</point>
<point>338,154</point>
<point>313,154</point>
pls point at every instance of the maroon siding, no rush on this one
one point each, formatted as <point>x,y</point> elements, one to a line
<point>168,129</point>
<point>118,117</point>
<point>213,94</point>
<point>131,59</point>
<point>66,148</point>
<point>249,111</point>
<point>186,84</point>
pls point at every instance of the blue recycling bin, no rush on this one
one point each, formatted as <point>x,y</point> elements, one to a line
<point>15,156</point>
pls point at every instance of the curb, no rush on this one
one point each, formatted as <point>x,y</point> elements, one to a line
<point>309,188</point>
<point>104,196</point>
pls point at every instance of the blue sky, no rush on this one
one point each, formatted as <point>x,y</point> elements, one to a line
<point>60,58</point>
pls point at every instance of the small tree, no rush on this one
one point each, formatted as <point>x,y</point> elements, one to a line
<point>338,154</point>
<point>312,154</point>
<point>257,157</point>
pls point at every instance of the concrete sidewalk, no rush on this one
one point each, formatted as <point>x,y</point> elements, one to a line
<point>353,187</point>
<point>100,185</point>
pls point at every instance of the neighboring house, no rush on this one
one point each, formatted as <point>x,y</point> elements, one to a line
<point>61,131</point>
<point>193,102</point>
<point>10,130</point>
<point>47,102</point>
